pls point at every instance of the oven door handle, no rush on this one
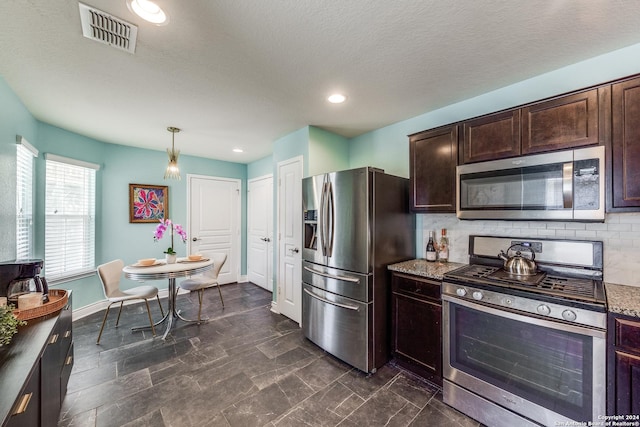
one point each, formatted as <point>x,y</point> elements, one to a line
<point>552,324</point>
<point>348,307</point>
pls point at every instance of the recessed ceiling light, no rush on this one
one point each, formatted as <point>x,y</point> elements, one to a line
<point>336,98</point>
<point>238,150</point>
<point>149,11</point>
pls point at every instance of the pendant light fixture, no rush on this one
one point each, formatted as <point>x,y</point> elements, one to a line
<point>173,171</point>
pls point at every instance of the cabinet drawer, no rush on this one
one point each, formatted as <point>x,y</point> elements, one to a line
<point>66,372</point>
<point>417,288</point>
<point>628,334</point>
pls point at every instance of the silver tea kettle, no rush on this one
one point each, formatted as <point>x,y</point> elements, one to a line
<point>518,264</point>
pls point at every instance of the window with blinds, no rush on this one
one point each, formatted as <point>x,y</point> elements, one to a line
<point>24,198</point>
<point>69,218</point>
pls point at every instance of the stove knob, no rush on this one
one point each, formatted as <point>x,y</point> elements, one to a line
<point>569,315</point>
<point>477,295</point>
<point>544,309</point>
<point>461,292</point>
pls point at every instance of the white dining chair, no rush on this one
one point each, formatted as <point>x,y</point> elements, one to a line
<point>109,275</point>
<point>206,280</point>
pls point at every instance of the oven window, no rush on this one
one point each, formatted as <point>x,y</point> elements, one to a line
<point>545,366</point>
<point>531,188</point>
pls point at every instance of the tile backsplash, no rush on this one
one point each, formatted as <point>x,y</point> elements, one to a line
<point>620,234</point>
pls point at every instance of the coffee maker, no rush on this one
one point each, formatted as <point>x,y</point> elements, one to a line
<point>20,277</point>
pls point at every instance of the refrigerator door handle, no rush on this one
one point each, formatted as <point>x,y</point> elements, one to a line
<point>330,219</point>
<point>323,237</point>
<point>348,307</point>
<point>331,276</point>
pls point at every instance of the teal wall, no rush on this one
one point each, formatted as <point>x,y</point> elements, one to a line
<point>15,119</point>
<point>388,147</point>
<point>289,146</point>
<point>260,168</point>
<point>328,152</point>
<point>119,166</point>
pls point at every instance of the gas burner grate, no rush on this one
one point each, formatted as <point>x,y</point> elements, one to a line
<point>563,287</point>
<point>475,271</point>
<point>566,286</point>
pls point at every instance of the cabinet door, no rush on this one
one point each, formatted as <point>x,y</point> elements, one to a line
<point>417,334</point>
<point>66,373</point>
<point>627,384</point>
<point>625,145</point>
<point>433,160</point>
<point>26,411</point>
<point>51,371</point>
<point>562,123</point>
<point>492,137</point>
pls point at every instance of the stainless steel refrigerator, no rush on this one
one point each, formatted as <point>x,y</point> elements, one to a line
<point>356,222</point>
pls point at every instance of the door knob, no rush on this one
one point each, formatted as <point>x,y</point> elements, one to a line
<point>195,239</point>
<point>295,250</point>
<point>265,239</point>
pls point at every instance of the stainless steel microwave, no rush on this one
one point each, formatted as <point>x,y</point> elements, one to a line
<point>564,185</point>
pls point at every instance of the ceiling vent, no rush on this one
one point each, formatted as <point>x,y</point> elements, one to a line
<point>100,26</point>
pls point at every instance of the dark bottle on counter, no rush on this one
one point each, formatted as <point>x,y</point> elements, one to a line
<point>431,248</point>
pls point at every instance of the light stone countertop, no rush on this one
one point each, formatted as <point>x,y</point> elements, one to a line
<point>623,299</point>
<point>424,268</point>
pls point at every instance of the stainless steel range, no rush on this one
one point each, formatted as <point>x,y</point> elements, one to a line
<point>526,349</point>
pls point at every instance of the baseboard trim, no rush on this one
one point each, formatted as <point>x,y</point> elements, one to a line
<point>274,307</point>
<point>102,305</point>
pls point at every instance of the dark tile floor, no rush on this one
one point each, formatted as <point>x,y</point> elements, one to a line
<point>246,367</point>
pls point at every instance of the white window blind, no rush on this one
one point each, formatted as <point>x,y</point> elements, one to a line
<point>69,218</point>
<point>24,198</point>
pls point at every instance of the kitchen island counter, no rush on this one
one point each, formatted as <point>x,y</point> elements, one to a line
<point>623,299</point>
<point>424,268</point>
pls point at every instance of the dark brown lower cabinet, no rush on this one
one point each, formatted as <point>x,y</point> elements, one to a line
<point>623,365</point>
<point>417,325</point>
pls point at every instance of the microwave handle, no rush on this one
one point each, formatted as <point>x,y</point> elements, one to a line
<point>567,185</point>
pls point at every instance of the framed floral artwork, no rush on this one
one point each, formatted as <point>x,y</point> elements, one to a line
<point>148,203</point>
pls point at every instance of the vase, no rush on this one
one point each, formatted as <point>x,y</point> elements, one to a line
<point>171,258</point>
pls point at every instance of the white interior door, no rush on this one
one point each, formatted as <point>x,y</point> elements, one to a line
<point>214,221</point>
<point>290,238</point>
<point>260,231</point>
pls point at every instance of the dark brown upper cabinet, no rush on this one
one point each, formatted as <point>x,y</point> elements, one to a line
<point>433,158</point>
<point>568,121</point>
<point>491,137</point>
<point>625,147</point>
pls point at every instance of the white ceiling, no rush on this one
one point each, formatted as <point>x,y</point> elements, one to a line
<point>240,73</point>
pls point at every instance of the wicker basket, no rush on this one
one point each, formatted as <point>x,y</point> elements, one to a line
<point>57,299</point>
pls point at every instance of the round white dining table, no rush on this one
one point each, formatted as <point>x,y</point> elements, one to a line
<point>160,271</point>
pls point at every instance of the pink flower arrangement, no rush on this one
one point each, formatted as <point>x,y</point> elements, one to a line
<point>166,224</point>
